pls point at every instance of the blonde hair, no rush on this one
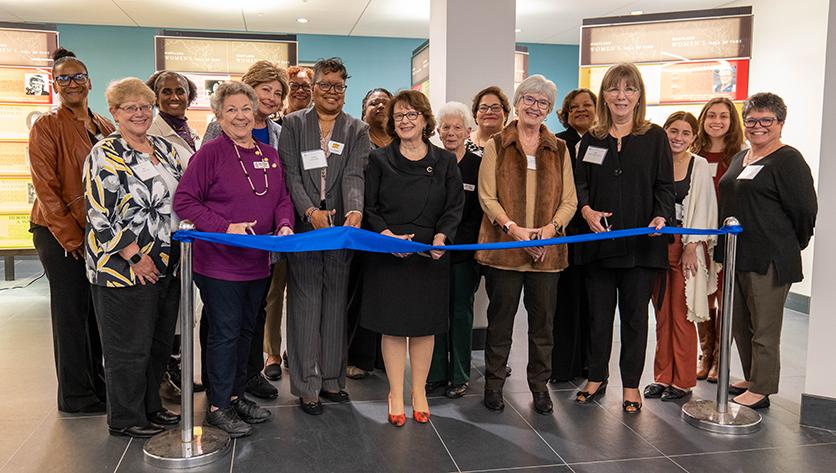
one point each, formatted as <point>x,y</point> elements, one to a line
<point>630,74</point>
<point>122,90</point>
<point>265,71</point>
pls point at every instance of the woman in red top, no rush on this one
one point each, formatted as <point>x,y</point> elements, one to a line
<point>719,138</point>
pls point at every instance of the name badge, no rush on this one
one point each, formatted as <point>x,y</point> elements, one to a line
<point>336,147</point>
<point>749,172</point>
<point>469,187</point>
<point>314,159</point>
<point>144,170</point>
<point>713,168</point>
<point>263,164</point>
<point>595,155</point>
<point>532,162</point>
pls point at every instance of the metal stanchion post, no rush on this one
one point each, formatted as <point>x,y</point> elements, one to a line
<point>190,446</point>
<point>719,416</point>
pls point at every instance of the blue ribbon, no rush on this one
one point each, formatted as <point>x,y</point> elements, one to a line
<point>342,238</point>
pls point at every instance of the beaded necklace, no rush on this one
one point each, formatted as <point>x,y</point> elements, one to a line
<point>247,175</point>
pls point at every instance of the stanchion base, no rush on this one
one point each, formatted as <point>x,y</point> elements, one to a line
<point>737,420</point>
<point>167,450</point>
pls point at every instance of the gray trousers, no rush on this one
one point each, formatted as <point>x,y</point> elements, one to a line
<point>757,319</point>
<point>317,293</point>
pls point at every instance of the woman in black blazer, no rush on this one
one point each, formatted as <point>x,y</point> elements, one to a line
<point>624,179</point>
<point>413,192</point>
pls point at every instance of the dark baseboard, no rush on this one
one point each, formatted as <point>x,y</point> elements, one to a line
<point>798,303</point>
<point>479,336</point>
<point>818,411</point>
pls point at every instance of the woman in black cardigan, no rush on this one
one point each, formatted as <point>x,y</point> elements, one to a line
<point>413,192</point>
<point>769,189</point>
<point>624,179</point>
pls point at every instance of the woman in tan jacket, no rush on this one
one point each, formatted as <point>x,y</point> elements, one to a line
<point>527,192</point>
<point>58,144</point>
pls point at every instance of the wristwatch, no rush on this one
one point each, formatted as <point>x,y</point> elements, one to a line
<point>558,229</point>
<point>507,226</point>
<point>136,258</point>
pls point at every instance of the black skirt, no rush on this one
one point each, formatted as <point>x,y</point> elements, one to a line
<point>405,297</point>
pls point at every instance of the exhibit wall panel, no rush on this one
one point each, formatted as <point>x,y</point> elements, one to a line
<point>788,59</point>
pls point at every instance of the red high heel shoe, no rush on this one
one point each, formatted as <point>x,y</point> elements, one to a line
<point>398,420</point>
<point>421,417</point>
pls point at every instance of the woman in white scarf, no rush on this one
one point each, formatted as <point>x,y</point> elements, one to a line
<point>691,275</point>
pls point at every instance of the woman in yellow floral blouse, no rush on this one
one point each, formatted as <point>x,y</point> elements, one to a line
<point>129,180</point>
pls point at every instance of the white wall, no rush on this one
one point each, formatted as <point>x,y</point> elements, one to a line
<point>788,59</point>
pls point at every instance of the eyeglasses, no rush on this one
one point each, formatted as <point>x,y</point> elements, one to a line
<point>296,86</point>
<point>628,91</point>
<point>411,115</point>
<point>327,86</point>
<point>765,122</point>
<point>541,104</point>
<point>136,108</point>
<point>64,79</point>
<point>495,108</point>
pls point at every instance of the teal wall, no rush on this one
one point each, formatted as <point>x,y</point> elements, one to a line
<point>113,52</point>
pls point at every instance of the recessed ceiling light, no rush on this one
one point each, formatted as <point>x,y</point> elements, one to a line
<point>518,30</point>
<point>636,12</point>
<point>301,20</point>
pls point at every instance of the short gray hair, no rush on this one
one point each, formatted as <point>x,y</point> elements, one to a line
<point>228,89</point>
<point>537,84</point>
<point>458,110</point>
<point>766,101</point>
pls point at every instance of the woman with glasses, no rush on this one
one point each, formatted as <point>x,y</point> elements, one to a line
<point>413,192</point>
<point>527,193</point>
<point>769,189</point>
<point>129,181</point>
<point>324,151</point>
<point>719,138</point>
<point>624,178</point>
<point>300,81</point>
<point>490,110</point>
<point>58,143</point>
<point>234,184</point>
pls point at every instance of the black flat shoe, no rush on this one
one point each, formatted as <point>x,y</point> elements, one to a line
<point>432,386</point>
<point>584,397</point>
<point>137,431</point>
<point>258,386</point>
<point>164,417</point>
<point>762,404</point>
<point>313,408</point>
<point>227,420</point>
<point>631,407</point>
<point>654,391</point>
<point>543,403</point>
<point>672,394</point>
<point>456,391</point>
<point>340,396</point>
<point>273,371</point>
<point>736,391</point>
<point>493,400</point>
<point>250,412</point>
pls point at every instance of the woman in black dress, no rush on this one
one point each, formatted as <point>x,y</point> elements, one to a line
<point>413,192</point>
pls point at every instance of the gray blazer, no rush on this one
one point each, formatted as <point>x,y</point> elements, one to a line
<point>344,185</point>
<point>273,129</point>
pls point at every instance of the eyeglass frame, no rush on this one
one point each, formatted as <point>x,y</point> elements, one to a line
<point>71,78</point>
<point>398,117</point>
<point>297,86</point>
<point>530,100</point>
<point>628,91</point>
<point>759,121</point>
<point>495,108</point>
<point>329,86</point>
<point>137,108</point>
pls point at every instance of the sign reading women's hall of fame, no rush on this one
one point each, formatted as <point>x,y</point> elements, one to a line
<point>219,55</point>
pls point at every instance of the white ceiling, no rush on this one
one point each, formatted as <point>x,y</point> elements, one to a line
<point>541,21</point>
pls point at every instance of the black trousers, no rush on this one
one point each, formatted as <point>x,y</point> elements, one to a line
<point>571,326</point>
<point>75,336</point>
<point>232,309</point>
<point>540,298</point>
<point>137,327</point>
<point>630,289</point>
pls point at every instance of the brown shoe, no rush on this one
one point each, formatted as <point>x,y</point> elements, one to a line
<point>168,390</point>
<point>705,367</point>
<point>712,373</point>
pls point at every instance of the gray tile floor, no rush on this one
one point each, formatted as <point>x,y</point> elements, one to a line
<point>463,435</point>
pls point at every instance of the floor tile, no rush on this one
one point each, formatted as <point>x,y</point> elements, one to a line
<point>69,445</point>
<point>479,439</point>
<point>134,462</point>
<point>807,459</point>
<point>582,433</point>
<point>650,465</point>
<point>350,437</point>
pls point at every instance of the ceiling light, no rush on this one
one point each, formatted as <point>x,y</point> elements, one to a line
<point>301,20</point>
<point>518,30</point>
<point>636,12</point>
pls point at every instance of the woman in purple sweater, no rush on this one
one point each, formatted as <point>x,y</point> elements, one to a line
<point>233,185</point>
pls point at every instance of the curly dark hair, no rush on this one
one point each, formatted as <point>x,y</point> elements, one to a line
<point>419,102</point>
<point>766,101</point>
<point>563,113</point>
<point>369,94</point>
<point>156,81</point>
<point>332,64</point>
